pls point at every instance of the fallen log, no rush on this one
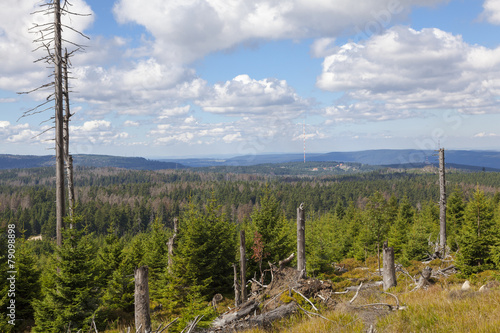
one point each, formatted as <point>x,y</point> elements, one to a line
<point>265,320</point>
<point>227,318</point>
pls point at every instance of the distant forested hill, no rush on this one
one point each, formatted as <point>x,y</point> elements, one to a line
<point>394,157</point>
<point>135,163</point>
<point>475,160</point>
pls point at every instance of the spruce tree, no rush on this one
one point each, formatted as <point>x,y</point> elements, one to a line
<point>118,295</point>
<point>455,210</point>
<point>479,235</point>
<point>398,234</point>
<point>425,227</point>
<point>324,241</point>
<point>377,218</point>
<point>352,223</point>
<point>156,249</point>
<point>70,286</point>
<point>270,222</point>
<point>27,286</point>
<point>339,210</point>
<point>206,248</point>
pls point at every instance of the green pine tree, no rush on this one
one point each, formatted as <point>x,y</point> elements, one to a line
<point>270,222</point>
<point>479,235</point>
<point>377,220</point>
<point>118,295</point>
<point>340,210</point>
<point>206,248</point>
<point>455,209</point>
<point>27,286</point>
<point>398,234</point>
<point>324,243</point>
<point>69,286</point>
<point>425,227</point>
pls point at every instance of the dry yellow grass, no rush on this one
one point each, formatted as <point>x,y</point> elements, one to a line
<point>433,310</point>
<point>438,310</point>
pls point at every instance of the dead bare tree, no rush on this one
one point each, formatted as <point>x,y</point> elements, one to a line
<point>301,240</point>
<point>49,37</point>
<point>243,267</point>
<point>68,159</point>
<point>171,245</point>
<point>442,204</point>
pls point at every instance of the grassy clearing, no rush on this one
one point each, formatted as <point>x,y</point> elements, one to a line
<point>443,307</point>
<point>438,310</point>
<point>432,310</point>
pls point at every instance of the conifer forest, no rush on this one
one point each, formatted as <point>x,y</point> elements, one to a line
<point>125,219</point>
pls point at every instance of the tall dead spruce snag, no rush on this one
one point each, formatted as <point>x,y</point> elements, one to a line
<point>49,37</point>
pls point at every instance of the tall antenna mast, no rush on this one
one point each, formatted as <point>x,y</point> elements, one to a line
<point>304,134</point>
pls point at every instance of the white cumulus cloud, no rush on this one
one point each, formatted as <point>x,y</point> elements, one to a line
<point>491,11</point>
<point>188,30</point>
<point>23,133</point>
<point>403,71</point>
<point>246,96</point>
<point>97,132</point>
<point>174,112</point>
<point>18,72</point>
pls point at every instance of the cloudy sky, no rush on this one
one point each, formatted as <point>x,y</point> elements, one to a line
<point>164,78</point>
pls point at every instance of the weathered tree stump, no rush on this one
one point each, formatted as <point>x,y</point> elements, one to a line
<point>142,313</point>
<point>424,281</point>
<point>389,273</point>
<point>243,267</point>
<point>237,289</point>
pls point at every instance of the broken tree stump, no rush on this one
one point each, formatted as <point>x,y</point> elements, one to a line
<point>243,267</point>
<point>389,273</point>
<point>237,289</point>
<point>141,295</point>
<point>424,281</point>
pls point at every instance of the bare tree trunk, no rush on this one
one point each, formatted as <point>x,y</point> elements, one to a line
<point>301,240</point>
<point>237,289</point>
<point>389,274</point>
<point>378,256</point>
<point>243,267</point>
<point>442,204</point>
<point>171,244</point>
<point>67,157</point>
<point>60,199</point>
<point>142,317</point>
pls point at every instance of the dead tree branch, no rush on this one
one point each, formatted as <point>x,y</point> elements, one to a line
<point>286,261</point>
<point>357,292</point>
<point>298,292</point>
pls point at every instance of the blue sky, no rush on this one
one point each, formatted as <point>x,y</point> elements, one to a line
<point>233,77</point>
